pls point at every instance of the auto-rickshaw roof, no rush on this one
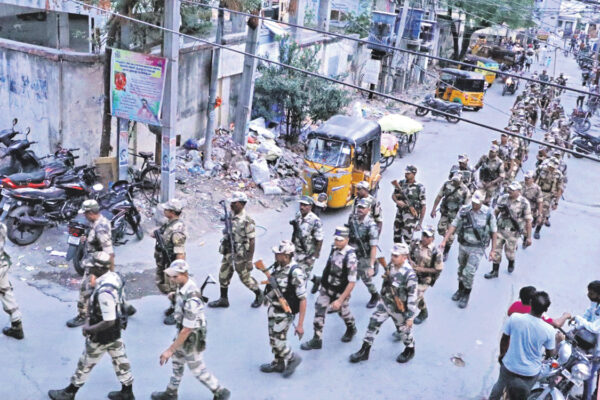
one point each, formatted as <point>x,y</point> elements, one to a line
<point>479,58</point>
<point>463,74</point>
<point>347,129</point>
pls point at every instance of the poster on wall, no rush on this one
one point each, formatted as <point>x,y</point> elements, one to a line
<point>136,86</point>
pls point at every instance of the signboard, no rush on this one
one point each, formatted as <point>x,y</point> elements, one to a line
<point>372,71</point>
<point>136,86</point>
<point>63,6</point>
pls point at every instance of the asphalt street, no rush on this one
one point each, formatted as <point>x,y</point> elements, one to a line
<point>562,262</point>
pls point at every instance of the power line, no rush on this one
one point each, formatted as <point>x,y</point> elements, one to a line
<point>356,87</point>
<point>363,41</point>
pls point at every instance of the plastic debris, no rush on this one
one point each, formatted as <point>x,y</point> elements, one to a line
<point>58,253</point>
<point>457,359</point>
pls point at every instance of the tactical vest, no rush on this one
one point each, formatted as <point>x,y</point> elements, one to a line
<point>114,332</point>
<point>289,294</point>
<point>483,233</point>
<point>343,277</point>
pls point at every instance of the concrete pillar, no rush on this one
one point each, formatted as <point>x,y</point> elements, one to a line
<point>324,15</point>
<point>297,10</point>
<point>238,23</point>
<point>58,30</point>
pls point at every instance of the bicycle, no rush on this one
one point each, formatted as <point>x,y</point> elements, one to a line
<point>147,178</point>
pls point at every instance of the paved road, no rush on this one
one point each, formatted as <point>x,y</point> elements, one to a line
<point>562,263</point>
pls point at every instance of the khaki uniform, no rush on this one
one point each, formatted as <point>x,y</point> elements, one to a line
<point>174,236</point>
<point>533,194</point>
<point>311,232</point>
<point>425,257</point>
<point>490,171</point>
<point>405,223</point>
<point>402,282</point>
<point>375,213</point>
<point>508,233</point>
<point>507,153</point>
<point>243,228</point>
<point>368,235</point>
<point>550,184</point>
<point>7,297</point>
<point>453,198</point>
<point>467,176</point>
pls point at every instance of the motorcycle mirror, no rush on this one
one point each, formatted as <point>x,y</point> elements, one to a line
<point>15,121</point>
<point>210,279</point>
<point>27,130</point>
<point>98,187</point>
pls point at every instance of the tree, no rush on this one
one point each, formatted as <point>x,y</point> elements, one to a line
<point>293,96</point>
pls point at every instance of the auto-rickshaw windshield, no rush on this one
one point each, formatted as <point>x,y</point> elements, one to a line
<point>328,152</point>
<point>470,85</point>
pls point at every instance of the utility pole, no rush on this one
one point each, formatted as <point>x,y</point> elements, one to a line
<point>245,100</point>
<point>169,113</point>
<point>400,44</point>
<point>212,92</point>
<point>324,15</point>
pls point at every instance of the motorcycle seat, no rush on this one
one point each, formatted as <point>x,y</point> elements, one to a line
<point>23,178</point>
<point>48,193</point>
<point>146,154</point>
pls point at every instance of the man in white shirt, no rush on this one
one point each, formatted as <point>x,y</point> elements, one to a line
<point>591,321</point>
<point>524,336</point>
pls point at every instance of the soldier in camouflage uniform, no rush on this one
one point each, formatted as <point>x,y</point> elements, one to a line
<point>453,195</point>
<point>467,173</point>
<point>506,153</point>
<point>532,192</point>
<point>491,173</point>
<point>363,238</point>
<point>362,192</point>
<point>291,281</point>
<point>102,331</point>
<point>190,341</point>
<point>513,214</point>
<point>475,225</point>
<point>426,261</point>
<point>174,235</point>
<point>339,278</point>
<point>7,297</point>
<point>99,238</point>
<point>550,181</point>
<point>409,197</point>
<point>399,288</point>
<point>244,234</point>
<point>307,236</point>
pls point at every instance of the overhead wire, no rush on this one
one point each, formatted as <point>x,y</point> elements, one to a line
<point>309,73</point>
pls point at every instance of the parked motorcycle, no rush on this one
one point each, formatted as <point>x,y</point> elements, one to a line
<point>580,120</point>
<point>440,105</point>
<point>585,143</point>
<point>21,158</point>
<point>510,86</point>
<point>28,211</point>
<point>118,207</point>
<point>7,135</point>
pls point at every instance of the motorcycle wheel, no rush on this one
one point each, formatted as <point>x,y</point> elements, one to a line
<point>452,120</point>
<point>151,183</point>
<point>78,260</point>
<point>421,112</point>
<point>412,141</point>
<point>18,233</point>
<point>537,393</point>
<point>585,126</point>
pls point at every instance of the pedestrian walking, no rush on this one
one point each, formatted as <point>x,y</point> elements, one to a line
<point>7,297</point>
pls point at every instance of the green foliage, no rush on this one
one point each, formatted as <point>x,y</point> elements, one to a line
<point>292,95</point>
<point>358,24</point>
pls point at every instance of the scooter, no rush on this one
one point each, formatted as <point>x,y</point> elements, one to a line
<point>510,86</point>
<point>585,143</point>
<point>440,105</point>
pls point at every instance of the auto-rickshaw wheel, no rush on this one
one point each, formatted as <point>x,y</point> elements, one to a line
<point>476,108</point>
<point>387,161</point>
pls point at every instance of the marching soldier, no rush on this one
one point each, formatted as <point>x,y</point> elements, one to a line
<point>452,195</point>
<point>337,282</point>
<point>467,173</point>
<point>243,234</point>
<point>399,301</point>
<point>362,192</point>
<point>291,281</point>
<point>190,342</point>
<point>307,236</point>
<point>102,331</point>
<point>411,205</point>
<point>491,173</point>
<point>513,214</point>
<point>363,238</point>
<point>425,260</point>
<point>98,239</point>
<point>475,225</point>
<point>532,192</point>
<point>550,181</point>
<point>173,235</point>
<point>7,297</point>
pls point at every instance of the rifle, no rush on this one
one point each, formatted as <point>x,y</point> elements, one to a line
<point>412,210</point>
<point>435,274</point>
<point>161,246</point>
<point>356,235</point>
<point>471,224</point>
<point>297,235</point>
<point>209,279</point>
<point>273,282</point>
<point>228,231</point>
<point>387,281</point>
<point>504,209</point>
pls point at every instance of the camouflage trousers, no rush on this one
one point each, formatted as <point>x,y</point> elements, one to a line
<point>195,363</point>
<point>379,316</point>
<point>279,324</point>
<point>306,263</point>
<point>163,283</point>
<point>85,292</point>
<point>7,297</point>
<point>444,224</point>
<point>363,268</point>
<point>508,241</point>
<point>325,298</point>
<point>421,289</point>
<point>93,353</point>
<point>404,226</point>
<point>469,258</point>
<point>547,202</point>
<point>243,268</point>
<point>490,193</point>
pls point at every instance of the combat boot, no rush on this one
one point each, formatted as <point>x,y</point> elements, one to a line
<point>67,393</point>
<point>446,251</point>
<point>459,293</point>
<point>493,273</point>
<point>313,344</point>
<point>222,302</point>
<point>169,311</point>
<point>374,299</point>
<point>126,393</point>
<point>129,309</point>
<point>511,266</point>
<point>350,332</point>
<point>547,222</point>
<point>276,365</point>
<point>362,354</point>
<point>419,319</point>
<point>222,394</point>
<point>166,395</point>
<point>15,330</point>
<point>464,300</point>
<point>291,366</point>
<point>316,280</point>
<point>406,355</point>
<point>536,234</point>
<point>258,300</point>
<point>76,321</point>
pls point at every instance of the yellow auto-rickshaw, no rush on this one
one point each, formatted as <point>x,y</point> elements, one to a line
<point>477,61</point>
<point>339,154</point>
<point>465,87</point>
